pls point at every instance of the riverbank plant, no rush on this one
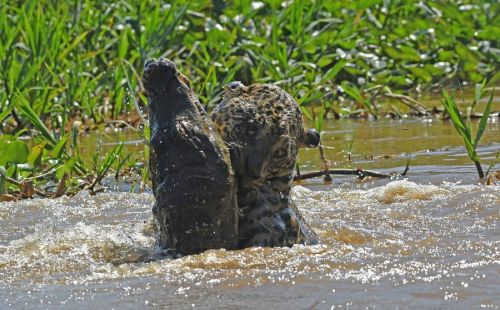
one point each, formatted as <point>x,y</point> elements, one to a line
<point>69,67</point>
<point>71,58</point>
<point>463,127</point>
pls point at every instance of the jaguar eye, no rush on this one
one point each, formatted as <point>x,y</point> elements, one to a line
<point>280,153</point>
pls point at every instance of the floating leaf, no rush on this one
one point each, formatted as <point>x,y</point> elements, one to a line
<point>421,73</point>
<point>410,53</point>
<point>465,54</point>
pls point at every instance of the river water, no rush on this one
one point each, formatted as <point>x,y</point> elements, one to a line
<point>430,240</point>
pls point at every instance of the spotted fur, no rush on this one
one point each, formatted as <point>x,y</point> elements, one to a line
<point>263,127</point>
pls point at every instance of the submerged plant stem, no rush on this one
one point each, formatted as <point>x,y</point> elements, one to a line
<point>479,169</point>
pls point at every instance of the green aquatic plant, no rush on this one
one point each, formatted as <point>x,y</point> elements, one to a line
<point>463,127</point>
<point>102,168</point>
<point>493,163</point>
<point>67,59</point>
<point>348,142</point>
<point>354,92</point>
<point>79,62</point>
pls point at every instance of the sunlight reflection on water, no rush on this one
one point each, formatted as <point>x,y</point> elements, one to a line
<point>431,240</point>
<point>426,242</point>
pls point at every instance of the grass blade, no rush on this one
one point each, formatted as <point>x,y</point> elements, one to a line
<point>28,112</point>
<point>484,119</point>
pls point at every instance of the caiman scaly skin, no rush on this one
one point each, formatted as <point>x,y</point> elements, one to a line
<point>263,127</point>
<point>193,182</point>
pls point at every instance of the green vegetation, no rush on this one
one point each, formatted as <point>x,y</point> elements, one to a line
<point>68,65</point>
<point>463,128</point>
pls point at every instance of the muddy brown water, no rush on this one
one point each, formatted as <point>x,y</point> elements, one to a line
<point>430,240</point>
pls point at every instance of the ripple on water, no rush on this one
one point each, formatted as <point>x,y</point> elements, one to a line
<point>395,234</point>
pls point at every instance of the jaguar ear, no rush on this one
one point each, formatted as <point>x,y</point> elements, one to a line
<point>233,88</point>
<point>311,138</point>
<point>235,84</point>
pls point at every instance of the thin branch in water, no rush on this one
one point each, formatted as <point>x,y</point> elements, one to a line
<point>409,102</point>
<point>326,164</point>
<point>358,172</point>
<point>297,170</point>
<point>22,185</point>
<point>139,132</point>
<point>407,168</point>
<point>361,173</point>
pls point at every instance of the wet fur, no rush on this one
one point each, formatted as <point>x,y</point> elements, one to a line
<point>193,182</point>
<point>263,127</point>
<point>200,203</point>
